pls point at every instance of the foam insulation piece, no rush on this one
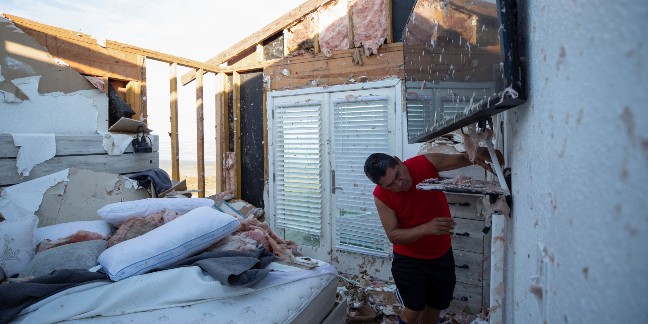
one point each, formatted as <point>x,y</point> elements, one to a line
<point>59,113</point>
<point>34,149</point>
<point>83,194</point>
<point>333,27</point>
<point>24,199</point>
<point>301,35</point>
<point>116,144</point>
<point>369,24</point>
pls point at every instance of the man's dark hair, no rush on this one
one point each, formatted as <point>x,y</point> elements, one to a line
<point>377,164</point>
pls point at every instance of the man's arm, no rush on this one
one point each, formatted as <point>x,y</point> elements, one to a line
<point>437,226</point>
<point>446,162</point>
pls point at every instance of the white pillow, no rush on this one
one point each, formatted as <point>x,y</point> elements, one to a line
<point>119,212</point>
<point>59,231</point>
<point>173,241</point>
<point>16,248</point>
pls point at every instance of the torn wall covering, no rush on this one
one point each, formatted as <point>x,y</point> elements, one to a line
<point>33,98</point>
<point>369,24</point>
<point>34,149</point>
<point>333,27</point>
<point>300,36</point>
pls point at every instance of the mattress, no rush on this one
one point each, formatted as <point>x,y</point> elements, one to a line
<point>287,295</point>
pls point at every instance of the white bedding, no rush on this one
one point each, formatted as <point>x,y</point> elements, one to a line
<point>184,295</point>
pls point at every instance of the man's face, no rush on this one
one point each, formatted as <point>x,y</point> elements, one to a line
<point>396,179</point>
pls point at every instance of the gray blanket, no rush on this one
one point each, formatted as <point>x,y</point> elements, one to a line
<point>235,268</point>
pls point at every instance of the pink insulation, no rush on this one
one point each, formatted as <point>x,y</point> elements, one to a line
<point>135,227</point>
<point>300,36</point>
<point>333,27</point>
<point>80,236</point>
<point>369,24</point>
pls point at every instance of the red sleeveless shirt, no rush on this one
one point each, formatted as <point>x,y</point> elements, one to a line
<point>415,207</point>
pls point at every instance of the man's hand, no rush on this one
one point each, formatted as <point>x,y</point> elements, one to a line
<point>439,226</point>
<point>483,159</point>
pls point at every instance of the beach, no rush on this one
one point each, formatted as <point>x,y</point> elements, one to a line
<point>189,172</point>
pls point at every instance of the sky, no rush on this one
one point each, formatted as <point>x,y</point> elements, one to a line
<point>194,29</point>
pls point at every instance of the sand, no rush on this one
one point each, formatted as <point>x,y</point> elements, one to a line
<point>188,171</point>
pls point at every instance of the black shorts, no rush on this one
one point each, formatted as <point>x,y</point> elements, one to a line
<point>424,282</point>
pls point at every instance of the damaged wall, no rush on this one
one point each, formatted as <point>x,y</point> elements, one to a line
<point>40,94</point>
<point>578,150</point>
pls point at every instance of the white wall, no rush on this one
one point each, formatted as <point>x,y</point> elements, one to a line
<point>579,154</point>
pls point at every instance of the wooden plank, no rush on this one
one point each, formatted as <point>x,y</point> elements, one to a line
<point>142,88</point>
<point>310,69</point>
<point>173,106</point>
<point>68,145</point>
<point>262,34</point>
<point>221,128</point>
<point>125,163</point>
<point>316,46</point>
<point>200,134</point>
<point>134,98</point>
<point>468,267</point>
<point>388,24</point>
<point>237,130</point>
<point>468,235</point>
<point>265,136</point>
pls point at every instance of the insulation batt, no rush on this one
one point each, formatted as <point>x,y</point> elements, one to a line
<point>333,27</point>
<point>369,24</point>
<point>80,236</point>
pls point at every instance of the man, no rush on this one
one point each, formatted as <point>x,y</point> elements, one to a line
<point>418,223</point>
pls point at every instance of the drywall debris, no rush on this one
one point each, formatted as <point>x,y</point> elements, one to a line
<point>34,149</point>
<point>116,144</point>
<point>24,199</point>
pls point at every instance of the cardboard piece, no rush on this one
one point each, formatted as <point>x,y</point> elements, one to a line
<point>127,125</point>
<point>83,194</point>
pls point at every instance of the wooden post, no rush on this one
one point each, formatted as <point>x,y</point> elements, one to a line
<point>141,59</point>
<point>388,25</point>
<point>265,136</point>
<point>221,128</point>
<point>200,134</point>
<point>237,130</point>
<point>315,26</point>
<point>259,52</point>
<point>175,150</point>
<point>350,16</point>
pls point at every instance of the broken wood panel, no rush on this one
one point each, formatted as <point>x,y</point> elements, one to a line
<point>125,163</point>
<point>468,295</point>
<point>251,138</point>
<point>468,267</point>
<point>315,70</point>
<point>68,145</point>
<point>468,235</point>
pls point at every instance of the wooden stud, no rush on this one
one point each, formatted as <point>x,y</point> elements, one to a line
<point>315,26</point>
<point>200,134</point>
<point>259,52</point>
<point>221,128</point>
<point>350,16</point>
<point>141,59</point>
<point>237,130</point>
<point>388,17</point>
<point>265,136</point>
<point>173,104</point>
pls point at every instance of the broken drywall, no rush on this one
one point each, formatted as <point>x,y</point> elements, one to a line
<point>34,149</point>
<point>116,144</point>
<point>33,98</point>
<point>24,199</point>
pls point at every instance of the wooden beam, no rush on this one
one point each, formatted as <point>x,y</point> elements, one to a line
<point>261,35</point>
<point>175,149</point>
<point>388,23</point>
<point>200,134</point>
<point>265,135</point>
<point>350,17</point>
<point>142,89</point>
<point>237,130</point>
<point>109,44</point>
<point>316,46</point>
<point>259,52</point>
<point>221,128</point>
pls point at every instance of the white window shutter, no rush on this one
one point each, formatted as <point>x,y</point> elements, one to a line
<point>361,127</point>
<point>298,166</point>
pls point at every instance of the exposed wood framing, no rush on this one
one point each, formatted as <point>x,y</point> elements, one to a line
<point>265,136</point>
<point>350,17</point>
<point>388,24</point>
<point>221,128</point>
<point>142,89</point>
<point>316,46</point>
<point>259,52</point>
<point>200,134</point>
<point>237,129</point>
<point>259,36</point>
<point>310,69</point>
<point>173,105</point>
